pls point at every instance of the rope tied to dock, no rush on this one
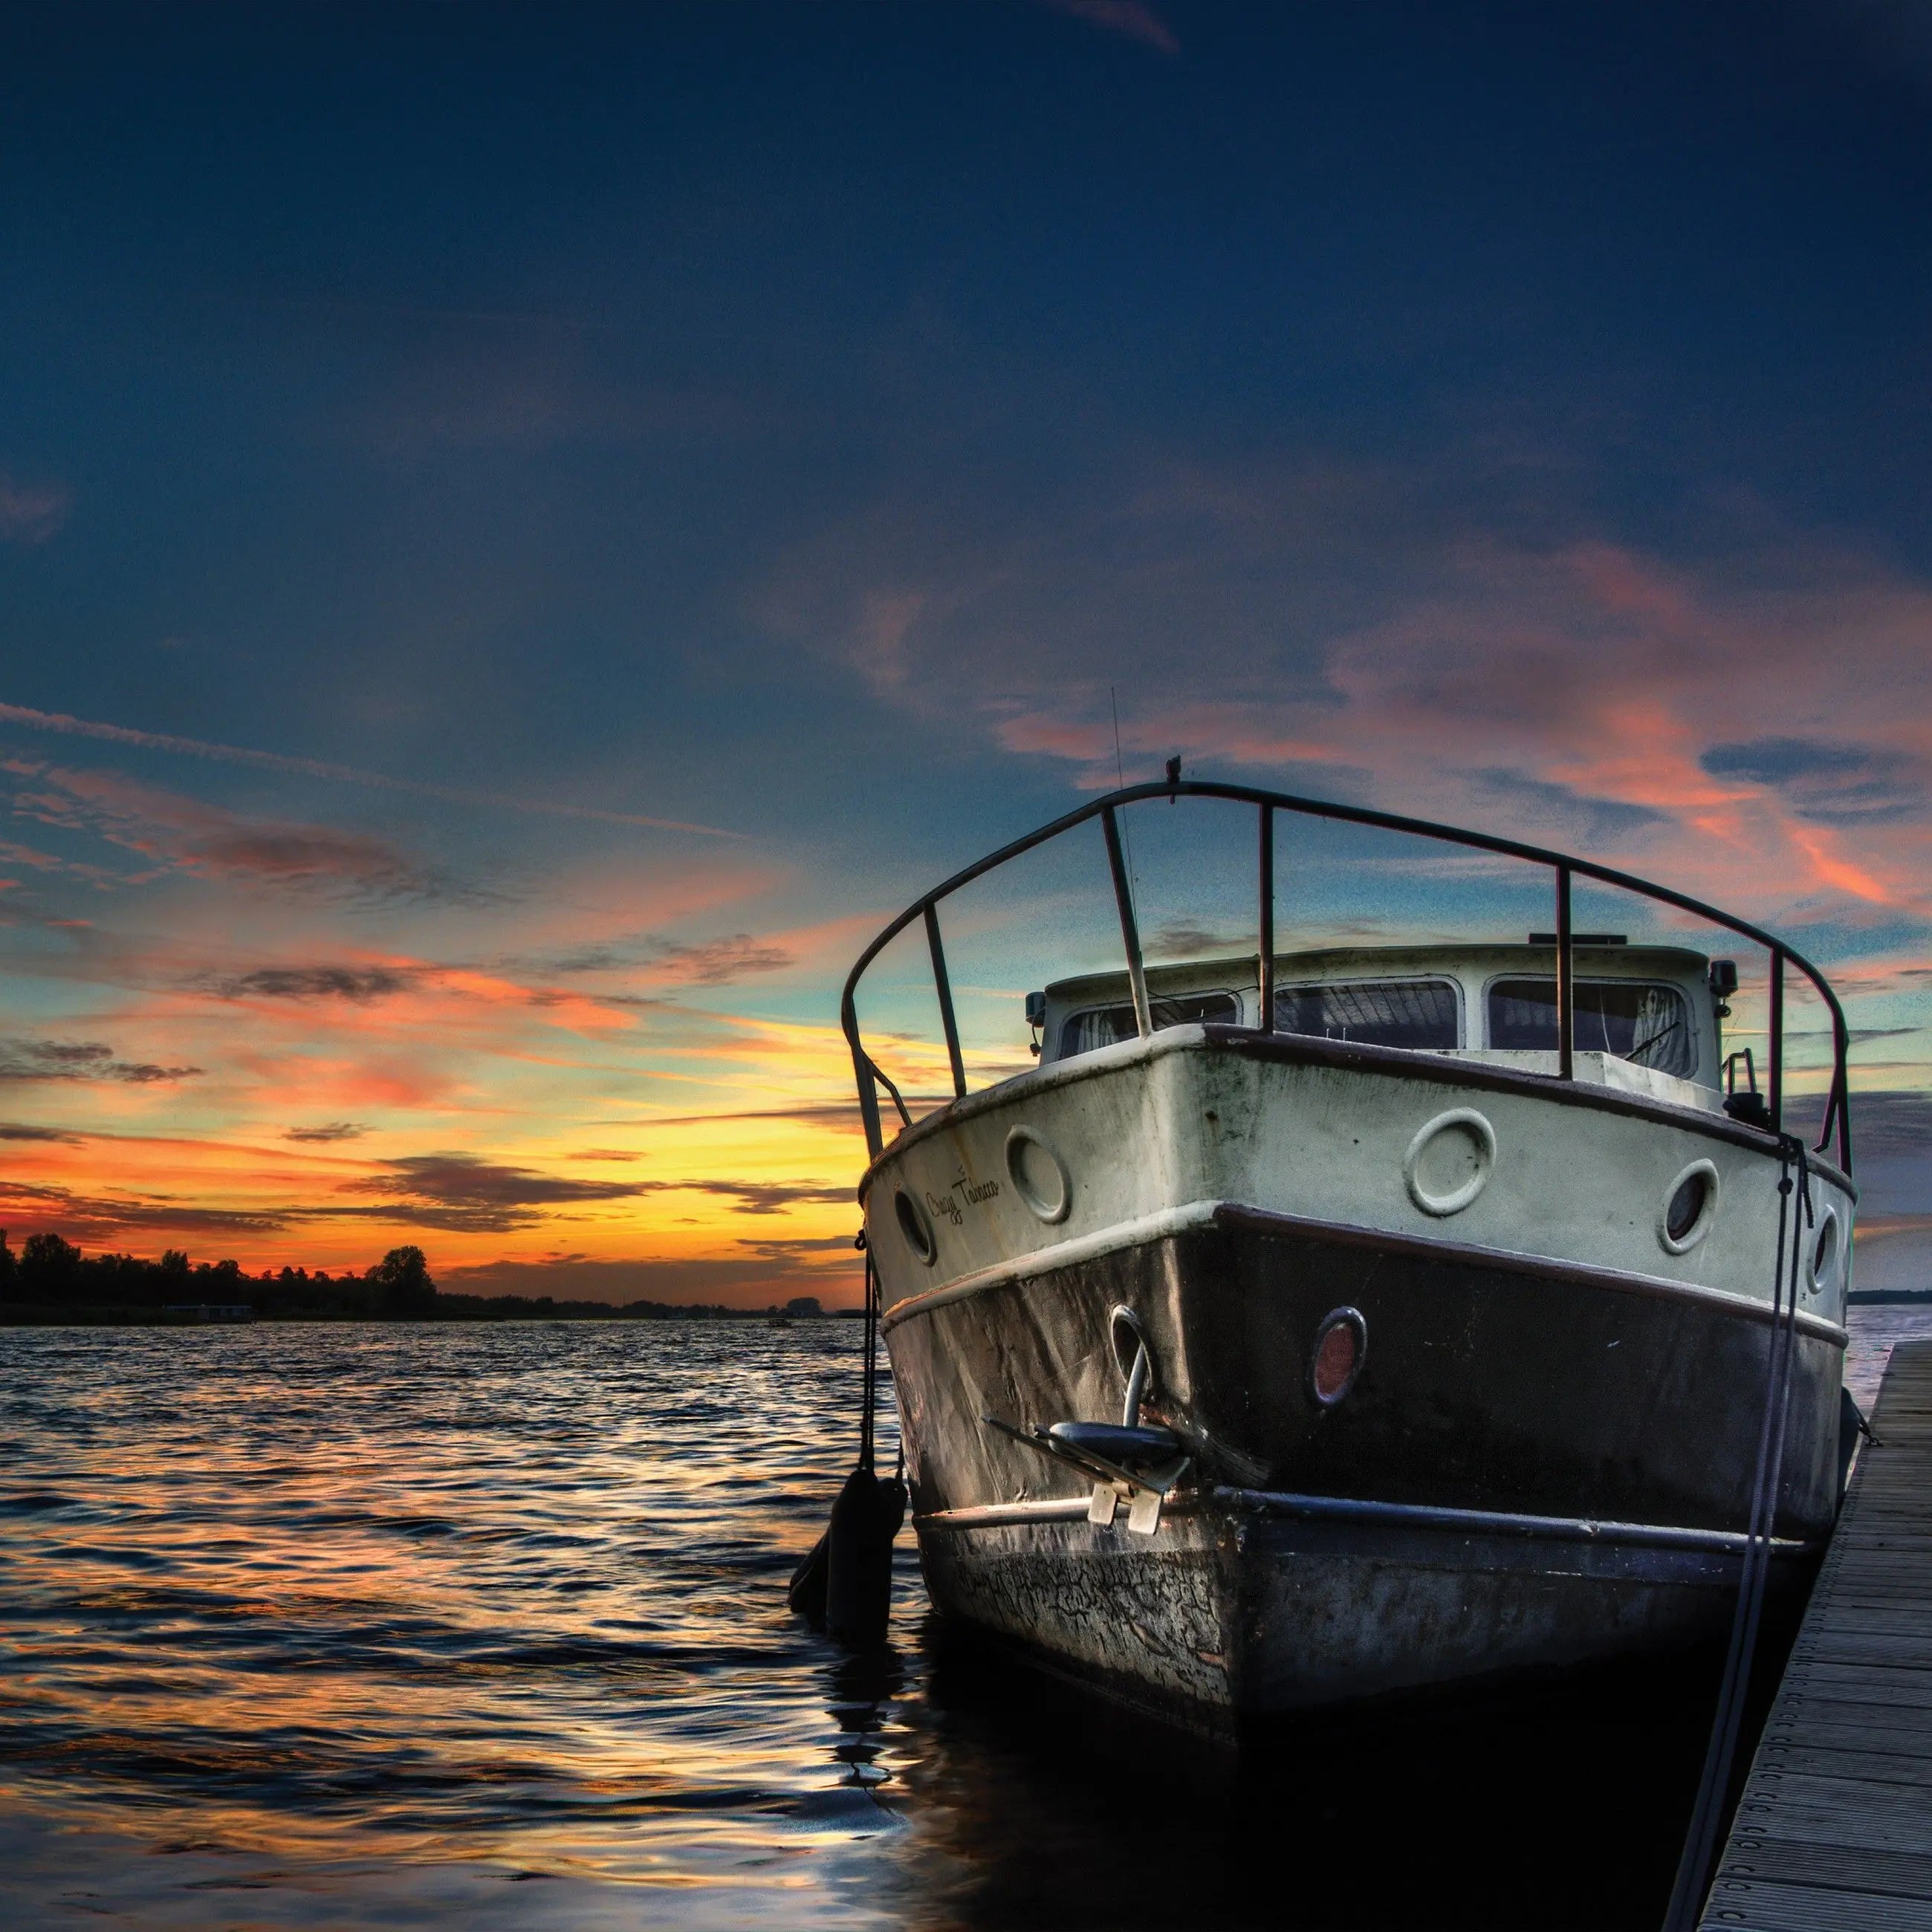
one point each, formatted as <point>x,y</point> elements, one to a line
<point>1693,1867</point>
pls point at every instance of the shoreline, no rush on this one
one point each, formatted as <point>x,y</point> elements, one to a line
<point>16,1314</point>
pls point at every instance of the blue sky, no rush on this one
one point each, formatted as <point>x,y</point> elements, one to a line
<point>812,425</point>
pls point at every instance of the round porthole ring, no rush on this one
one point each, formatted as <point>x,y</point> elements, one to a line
<point>1338,1318</point>
<point>1830,1228</point>
<point>1018,1139</point>
<point>1707,1212</point>
<point>1455,1201</point>
<point>915,1227</point>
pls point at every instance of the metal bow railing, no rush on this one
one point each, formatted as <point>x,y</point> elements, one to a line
<point>1566,867</point>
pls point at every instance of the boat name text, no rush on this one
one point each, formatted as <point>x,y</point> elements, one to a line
<point>963,1194</point>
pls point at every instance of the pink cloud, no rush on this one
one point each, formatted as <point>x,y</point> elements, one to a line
<point>31,513</point>
<point>61,722</point>
<point>188,834</point>
<point>1133,19</point>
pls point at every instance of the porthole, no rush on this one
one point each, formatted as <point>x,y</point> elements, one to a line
<point>1341,1347</point>
<point>1040,1176</point>
<point>1823,1267</point>
<point>915,1227</point>
<point>1689,1208</point>
<point>1448,1163</point>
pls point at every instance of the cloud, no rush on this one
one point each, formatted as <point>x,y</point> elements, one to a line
<point>330,1131</point>
<point>26,855</point>
<point>463,1192</point>
<point>53,1135</point>
<point>212,842</point>
<point>525,383</point>
<point>1833,783</point>
<point>83,1216</point>
<point>808,1113</point>
<point>1183,939</point>
<point>31,513</point>
<point>23,1060</point>
<point>60,722</point>
<point>359,984</point>
<point>1591,821</point>
<point>708,962</point>
<point>1133,19</point>
<point>1349,631</point>
<point>717,962</point>
<point>464,1179</point>
<point>749,1281</point>
<point>767,1197</point>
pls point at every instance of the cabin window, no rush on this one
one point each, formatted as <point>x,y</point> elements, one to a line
<point>1416,1013</point>
<point>1636,1019</point>
<point>1102,1026</point>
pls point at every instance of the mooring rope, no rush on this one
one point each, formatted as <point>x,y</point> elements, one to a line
<point>869,1400</point>
<point>1693,1866</point>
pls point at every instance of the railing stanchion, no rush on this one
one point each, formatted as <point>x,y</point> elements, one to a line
<point>1774,1047</point>
<point>1566,982</point>
<point>1130,933</point>
<point>1267,918</point>
<point>942,986</point>
<point>869,1098</point>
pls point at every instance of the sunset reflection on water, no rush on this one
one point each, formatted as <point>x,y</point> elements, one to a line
<point>325,1625</point>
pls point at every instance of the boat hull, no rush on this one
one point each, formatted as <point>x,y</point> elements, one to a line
<point>1241,1614</point>
<point>1537,1465</point>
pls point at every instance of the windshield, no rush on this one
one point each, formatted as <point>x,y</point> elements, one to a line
<point>1636,1019</point>
<point>1416,1013</point>
<point>1102,1026</point>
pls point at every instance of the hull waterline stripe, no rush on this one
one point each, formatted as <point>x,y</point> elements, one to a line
<point>1148,1228</point>
<point>1393,1516</point>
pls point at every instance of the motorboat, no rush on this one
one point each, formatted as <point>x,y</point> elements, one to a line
<point>1323,1322</point>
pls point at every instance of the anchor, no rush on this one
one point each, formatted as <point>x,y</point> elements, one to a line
<point>1128,1462</point>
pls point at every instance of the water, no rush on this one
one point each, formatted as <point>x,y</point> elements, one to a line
<point>319,1626</point>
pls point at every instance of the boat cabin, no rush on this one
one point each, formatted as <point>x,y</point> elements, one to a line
<point>1647,1017</point>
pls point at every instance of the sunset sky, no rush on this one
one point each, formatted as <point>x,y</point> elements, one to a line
<point>526,534</point>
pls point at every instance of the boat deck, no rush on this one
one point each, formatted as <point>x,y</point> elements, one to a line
<point>1833,1830</point>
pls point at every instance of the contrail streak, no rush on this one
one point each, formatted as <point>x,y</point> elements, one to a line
<point>317,768</point>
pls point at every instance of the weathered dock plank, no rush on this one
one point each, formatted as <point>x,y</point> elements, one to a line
<point>1871,1766</point>
<point>1793,1908</point>
<point>1834,1831</point>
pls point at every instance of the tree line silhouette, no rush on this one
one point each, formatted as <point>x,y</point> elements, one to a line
<point>50,1280</point>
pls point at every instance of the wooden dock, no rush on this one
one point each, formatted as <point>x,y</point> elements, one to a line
<point>1834,1832</point>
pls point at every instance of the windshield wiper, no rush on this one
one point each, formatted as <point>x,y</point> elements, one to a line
<point>1636,1054</point>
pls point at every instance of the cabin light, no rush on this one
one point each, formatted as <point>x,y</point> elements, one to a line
<point>915,1227</point>
<point>1341,1347</point>
<point>1722,979</point>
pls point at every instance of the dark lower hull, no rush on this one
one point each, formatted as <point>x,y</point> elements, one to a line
<point>1231,1615</point>
<point>1554,1470</point>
